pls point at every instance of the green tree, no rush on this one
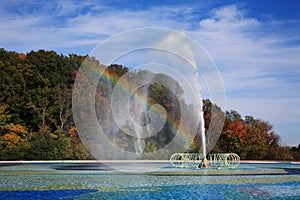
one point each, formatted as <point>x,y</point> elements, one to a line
<point>4,118</point>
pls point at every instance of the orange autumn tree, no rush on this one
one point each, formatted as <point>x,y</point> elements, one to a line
<point>250,138</point>
<point>233,137</point>
<point>13,138</point>
<point>15,135</point>
<point>13,141</point>
<point>78,149</point>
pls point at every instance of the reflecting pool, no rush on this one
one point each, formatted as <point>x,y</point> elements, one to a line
<point>63,180</point>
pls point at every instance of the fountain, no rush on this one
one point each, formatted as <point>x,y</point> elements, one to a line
<point>199,160</point>
<point>203,139</point>
<point>139,112</point>
<point>196,160</point>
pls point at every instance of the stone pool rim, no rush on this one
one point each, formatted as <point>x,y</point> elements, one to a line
<point>247,167</point>
<point>132,161</point>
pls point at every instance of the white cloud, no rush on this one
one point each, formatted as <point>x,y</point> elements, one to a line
<point>228,19</point>
<point>70,22</point>
<point>246,56</point>
<point>260,68</point>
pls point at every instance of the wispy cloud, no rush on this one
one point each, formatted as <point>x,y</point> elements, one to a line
<point>75,24</point>
<point>248,57</point>
<point>259,64</point>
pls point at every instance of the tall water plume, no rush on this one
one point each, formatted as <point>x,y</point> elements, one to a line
<point>138,112</point>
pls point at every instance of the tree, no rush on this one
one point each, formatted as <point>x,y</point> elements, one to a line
<point>13,143</point>
<point>233,115</point>
<point>63,100</point>
<point>4,117</point>
<point>256,148</point>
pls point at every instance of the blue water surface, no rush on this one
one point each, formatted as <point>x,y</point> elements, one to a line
<point>207,191</point>
<point>29,181</point>
<point>42,194</point>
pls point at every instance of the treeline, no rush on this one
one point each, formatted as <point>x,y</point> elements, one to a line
<point>36,120</point>
<point>35,106</point>
<point>252,138</point>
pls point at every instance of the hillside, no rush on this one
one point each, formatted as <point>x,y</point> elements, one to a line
<point>36,120</point>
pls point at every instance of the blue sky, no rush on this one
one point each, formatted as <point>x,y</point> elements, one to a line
<point>255,44</point>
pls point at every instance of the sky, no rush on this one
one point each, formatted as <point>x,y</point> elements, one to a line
<point>255,44</point>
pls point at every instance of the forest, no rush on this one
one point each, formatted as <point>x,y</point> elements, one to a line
<point>36,119</point>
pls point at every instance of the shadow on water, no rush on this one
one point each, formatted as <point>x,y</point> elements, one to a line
<point>9,164</point>
<point>292,170</point>
<point>84,166</point>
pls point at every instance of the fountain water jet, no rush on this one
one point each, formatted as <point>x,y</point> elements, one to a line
<point>203,138</point>
<point>139,112</point>
<point>202,125</point>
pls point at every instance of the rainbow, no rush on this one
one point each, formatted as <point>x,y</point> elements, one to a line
<point>182,133</point>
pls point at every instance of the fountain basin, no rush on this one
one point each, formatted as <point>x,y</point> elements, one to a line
<point>91,180</point>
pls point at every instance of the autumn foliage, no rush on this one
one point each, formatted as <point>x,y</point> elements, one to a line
<point>36,119</point>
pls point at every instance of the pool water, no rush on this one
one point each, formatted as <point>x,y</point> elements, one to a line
<point>64,181</point>
<point>42,194</point>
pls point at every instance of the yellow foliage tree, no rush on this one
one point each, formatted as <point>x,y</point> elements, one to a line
<point>15,136</point>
